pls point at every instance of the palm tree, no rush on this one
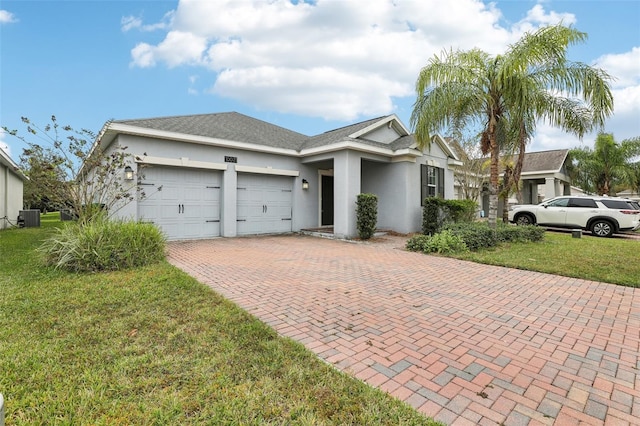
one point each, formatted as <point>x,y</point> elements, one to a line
<point>507,94</point>
<point>606,167</point>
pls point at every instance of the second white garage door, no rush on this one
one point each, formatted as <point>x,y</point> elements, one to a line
<point>264,204</point>
<point>184,203</point>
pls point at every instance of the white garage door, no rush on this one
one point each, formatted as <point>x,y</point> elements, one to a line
<point>264,204</point>
<point>184,203</point>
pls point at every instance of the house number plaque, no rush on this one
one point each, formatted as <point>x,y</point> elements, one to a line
<point>228,159</point>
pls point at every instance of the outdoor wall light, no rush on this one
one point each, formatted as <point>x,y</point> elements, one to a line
<point>305,184</point>
<point>128,173</point>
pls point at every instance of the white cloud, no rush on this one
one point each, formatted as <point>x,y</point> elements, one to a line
<point>625,67</point>
<point>7,17</point>
<point>339,59</point>
<point>128,23</point>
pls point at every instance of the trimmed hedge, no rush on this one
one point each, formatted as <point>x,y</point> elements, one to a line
<point>477,236</point>
<point>366,215</point>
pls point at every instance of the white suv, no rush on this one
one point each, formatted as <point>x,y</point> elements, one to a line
<point>603,216</point>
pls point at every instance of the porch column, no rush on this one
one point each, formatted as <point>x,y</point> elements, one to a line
<point>346,187</point>
<point>549,188</point>
<point>229,202</point>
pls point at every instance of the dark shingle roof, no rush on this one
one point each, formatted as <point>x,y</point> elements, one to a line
<point>228,125</point>
<point>544,160</point>
<point>238,127</point>
<point>339,135</point>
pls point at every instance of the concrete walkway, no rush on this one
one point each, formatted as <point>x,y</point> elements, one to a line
<point>464,343</point>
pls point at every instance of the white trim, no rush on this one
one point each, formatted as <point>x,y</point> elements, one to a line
<point>392,120</point>
<point>401,158</point>
<point>178,162</point>
<point>267,171</point>
<point>356,146</point>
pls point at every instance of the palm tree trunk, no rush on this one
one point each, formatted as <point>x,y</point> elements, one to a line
<point>493,181</point>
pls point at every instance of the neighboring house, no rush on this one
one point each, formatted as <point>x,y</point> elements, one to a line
<point>628,193</point>
<point>11,190</point>
<point>228,174</point>
<point>544,175</point>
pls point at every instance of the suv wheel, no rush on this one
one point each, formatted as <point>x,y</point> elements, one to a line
<point>524,219</point>
<point>602,228</point>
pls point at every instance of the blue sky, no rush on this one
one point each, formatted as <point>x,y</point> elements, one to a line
<point>307,67</point>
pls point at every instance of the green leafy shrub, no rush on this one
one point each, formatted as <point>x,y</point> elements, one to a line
<point>103,245</point>
<point>519,234</point>
<point>366,215</point>
<point>433,215</point>
<point>476,235</point>
<point>417,242</point>
<point>462,210</point>
<point>436,213</point>
<point>442,242</point>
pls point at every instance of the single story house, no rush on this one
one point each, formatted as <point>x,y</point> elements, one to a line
<point>11,190</point>
<point>228,174</point>
<point>544,175</point>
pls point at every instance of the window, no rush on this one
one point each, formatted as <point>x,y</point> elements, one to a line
<point>431,182</point>
<point>618,204</point>
<point>583,202</point>
<point>560,202</point>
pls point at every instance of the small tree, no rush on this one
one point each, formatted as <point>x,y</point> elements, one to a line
<point>76,172</point>
<point>472,174</point>
<point>45,188</point>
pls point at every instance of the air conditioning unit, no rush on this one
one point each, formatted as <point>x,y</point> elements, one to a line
<point>30,218</point>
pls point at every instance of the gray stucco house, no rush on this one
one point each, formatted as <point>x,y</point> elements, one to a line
<point>11,190</point>
<point>228,174</point>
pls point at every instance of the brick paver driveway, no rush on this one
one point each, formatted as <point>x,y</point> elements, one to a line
<point>464,343</point>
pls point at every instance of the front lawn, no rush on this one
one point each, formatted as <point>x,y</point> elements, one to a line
<point>154,346</point>
<point>613,260</point>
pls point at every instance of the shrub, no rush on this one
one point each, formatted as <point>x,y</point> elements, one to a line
<point>442,242</point>
<point>437,212</point>
<point>366,215</point>
<point>462,210</point>
<point>519,234</point>
<point>417,242</point>
<point>476,235</point>
<point>433,215</point>
<point>103,245</point>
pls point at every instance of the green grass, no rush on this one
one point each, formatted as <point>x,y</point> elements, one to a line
<point>153,346</point>
<point>612,260</point>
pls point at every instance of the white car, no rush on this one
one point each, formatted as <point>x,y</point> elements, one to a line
<point>603,216</point>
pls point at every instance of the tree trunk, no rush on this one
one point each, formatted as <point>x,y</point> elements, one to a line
<point>493,180</point>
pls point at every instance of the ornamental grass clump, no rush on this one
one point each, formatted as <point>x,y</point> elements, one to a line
<point>104,245</point>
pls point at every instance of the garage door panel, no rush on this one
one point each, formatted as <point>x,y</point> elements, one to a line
<point>264,204</point>
<point>187,206</point>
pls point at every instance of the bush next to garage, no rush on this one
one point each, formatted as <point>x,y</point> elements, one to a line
<point>104,245</point>
<point>437,212</point>
<point>366,215</point>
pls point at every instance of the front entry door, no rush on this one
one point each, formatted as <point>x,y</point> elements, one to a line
<point>326,217</point>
